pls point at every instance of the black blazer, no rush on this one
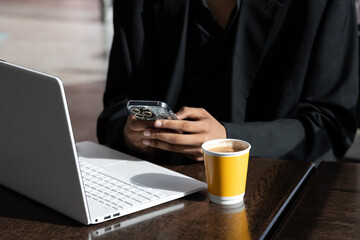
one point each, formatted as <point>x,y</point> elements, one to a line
<point>294,72</point>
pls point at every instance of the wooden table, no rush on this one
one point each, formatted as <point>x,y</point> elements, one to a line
<point>270,187</point>
<point>329,207</point>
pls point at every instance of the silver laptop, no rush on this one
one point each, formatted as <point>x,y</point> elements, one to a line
<point>85,181</point>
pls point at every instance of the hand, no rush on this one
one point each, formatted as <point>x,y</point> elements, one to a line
<point>133,134</point>
<point>185,135</point>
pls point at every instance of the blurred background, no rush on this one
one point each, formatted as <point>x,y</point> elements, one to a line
<point>70,39</point>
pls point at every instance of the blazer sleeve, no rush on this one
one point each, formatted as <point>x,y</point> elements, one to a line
<point>322,125</point>
<point>124,57</point>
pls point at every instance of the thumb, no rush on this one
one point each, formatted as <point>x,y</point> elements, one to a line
<point>190,113</point>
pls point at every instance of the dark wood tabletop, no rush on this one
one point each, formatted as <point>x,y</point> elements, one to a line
<point>329,208</point>
<point>270,186</point>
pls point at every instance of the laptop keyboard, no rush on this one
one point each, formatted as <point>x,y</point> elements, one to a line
<point>113,192</point>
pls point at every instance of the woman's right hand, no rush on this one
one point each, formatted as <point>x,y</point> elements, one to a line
<point>134,135</point>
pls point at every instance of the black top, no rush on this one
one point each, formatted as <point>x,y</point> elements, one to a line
<point>207,73</point>
<point>293,75</point>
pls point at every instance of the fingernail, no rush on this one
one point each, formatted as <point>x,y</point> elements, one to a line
<point>146,142</point>
<point>158,123</point>
<point>147,133</point>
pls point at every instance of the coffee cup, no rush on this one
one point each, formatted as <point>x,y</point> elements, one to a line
<point>226,164</point>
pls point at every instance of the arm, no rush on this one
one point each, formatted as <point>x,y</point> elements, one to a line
<point>322,124</point>
<point>124,58</point>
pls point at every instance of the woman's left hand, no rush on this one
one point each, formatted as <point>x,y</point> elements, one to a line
<point>185,135</point>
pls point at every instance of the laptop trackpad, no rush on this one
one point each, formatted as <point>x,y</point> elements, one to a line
<point>153,176</point>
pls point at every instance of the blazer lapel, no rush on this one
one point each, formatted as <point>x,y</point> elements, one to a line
<point>258,24</point>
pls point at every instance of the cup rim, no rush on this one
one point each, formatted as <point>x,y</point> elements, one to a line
<point>225,153</point>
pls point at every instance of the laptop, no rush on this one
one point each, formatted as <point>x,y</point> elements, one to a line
<point>88,182</point>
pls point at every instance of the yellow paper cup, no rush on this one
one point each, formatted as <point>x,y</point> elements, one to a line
<point>226,165</point>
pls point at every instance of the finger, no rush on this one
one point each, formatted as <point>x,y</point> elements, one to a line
<point>139,125</point>
<point>182,125</point>
<point>191,113</point>
<point>178,139</point>
<point>191,150</point>
<point>136,138</point>
<point>151,133</point>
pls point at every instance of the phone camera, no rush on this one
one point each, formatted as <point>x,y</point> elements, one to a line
<point>141,113</point>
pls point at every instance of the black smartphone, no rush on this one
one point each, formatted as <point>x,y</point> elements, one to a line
<point>150,110</point>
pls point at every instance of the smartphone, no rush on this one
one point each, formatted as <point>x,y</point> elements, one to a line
<point>150,110</point>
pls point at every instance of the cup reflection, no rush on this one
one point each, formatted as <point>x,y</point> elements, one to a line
<point>229,220</point>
